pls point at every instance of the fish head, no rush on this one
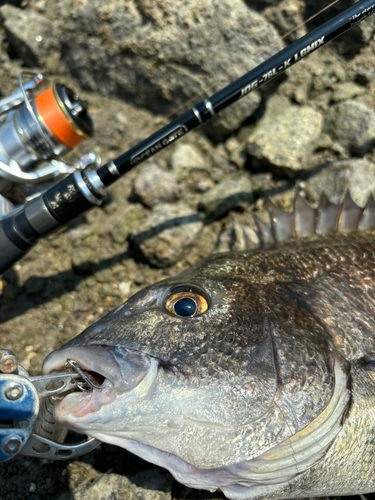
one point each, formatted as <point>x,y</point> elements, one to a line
<point>200,372</point>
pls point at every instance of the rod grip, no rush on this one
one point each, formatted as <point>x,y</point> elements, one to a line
<point>60,204</point>
<point>9,252</point>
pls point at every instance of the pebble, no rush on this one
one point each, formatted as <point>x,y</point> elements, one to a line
<point>285,137</point>
<point>188,162</point>
<point>352,124</point>
<point>231,193</point>
<point>154,185</point>
<point>124,223</point>
<point>153,484</point>
<point>347,90</point>
<point>167,233</point>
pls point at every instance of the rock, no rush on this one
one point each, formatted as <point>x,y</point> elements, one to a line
<point>285,137</point>
<point>313,77</point>
<point>32,36</point>
<point>228,194</point>
<point>357,175</point>
<point>154,484</point>
<point>204,185</point>
<point>221,167</point>
<point>188,163</point>
<point>236,152</point>
<point>229,120</point>
<point>347,90</point>
<point>236,237</point>
<point>285,16</point>
<point>153,185</point>
<point>352,124</point>
<point>327,74</point>
<point>167,233</point>
<point>161,54</point>
<point>84,254</point>
<point>127,221</point>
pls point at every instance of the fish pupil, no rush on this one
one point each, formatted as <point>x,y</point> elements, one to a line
<point>185,307</point>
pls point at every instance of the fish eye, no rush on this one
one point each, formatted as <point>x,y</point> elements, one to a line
<point>186,303</point>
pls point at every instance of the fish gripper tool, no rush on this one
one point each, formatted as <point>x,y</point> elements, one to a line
<point>27,424</point>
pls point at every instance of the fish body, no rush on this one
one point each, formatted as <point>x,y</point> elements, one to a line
<point>250,372</point>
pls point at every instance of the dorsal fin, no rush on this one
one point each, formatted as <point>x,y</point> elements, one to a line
<point>349,216</point>
<point>281,222</point>
<point>306,221</point>
<point>303,222</point>
<point>264,232</point>
<point>328,216</point>
<point>368,217</point>
<point>304,217</point>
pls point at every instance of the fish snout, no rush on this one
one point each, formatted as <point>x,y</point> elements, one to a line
<point>98,366</point>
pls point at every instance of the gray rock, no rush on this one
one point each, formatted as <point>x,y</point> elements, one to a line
<point>127,222</point>
<point>285,16</point>
<point>236,152</point>
<point>167,233</point>
<point>347,90</point>
<point>84,254</point>
<point>154,484</point>
<point>228,194</point>
<point>32,36</point>
<point>357,175</point>
<point>352,124</point>
<point>163,53</point>
<point>236,237</point>
<point>188,163</point>
<point>285,137</point>
<point>229,120</point>
<point>154,185</point>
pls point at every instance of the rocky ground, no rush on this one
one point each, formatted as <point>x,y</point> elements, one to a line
<point>139,63</point>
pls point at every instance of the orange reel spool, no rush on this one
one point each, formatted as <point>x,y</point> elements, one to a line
<point>53,112</point>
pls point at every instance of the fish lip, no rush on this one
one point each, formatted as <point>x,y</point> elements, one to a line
<point>102,360</point>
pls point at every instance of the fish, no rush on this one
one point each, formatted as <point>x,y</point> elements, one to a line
<point>251,372</point>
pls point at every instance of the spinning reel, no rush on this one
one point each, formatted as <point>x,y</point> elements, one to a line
<point>37,129</point>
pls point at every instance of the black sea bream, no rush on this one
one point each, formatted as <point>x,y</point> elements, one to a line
<point>250,372</point>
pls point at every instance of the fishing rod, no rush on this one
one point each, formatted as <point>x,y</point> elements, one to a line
<point>84,189</point>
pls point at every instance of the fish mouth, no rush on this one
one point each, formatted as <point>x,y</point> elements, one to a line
<point>110,371</point>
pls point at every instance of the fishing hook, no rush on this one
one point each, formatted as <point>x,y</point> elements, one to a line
<point>73,364</point>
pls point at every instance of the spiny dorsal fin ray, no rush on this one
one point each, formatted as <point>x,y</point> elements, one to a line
<point>328,216</point>
<point>264,232</point>
<point>349,216</point>
<point>304,217</point>
<point>368,217</point>
<point>306,221</point>
<point>281,222</point>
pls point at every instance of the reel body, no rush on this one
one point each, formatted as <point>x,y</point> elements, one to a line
<point>38,129</point>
